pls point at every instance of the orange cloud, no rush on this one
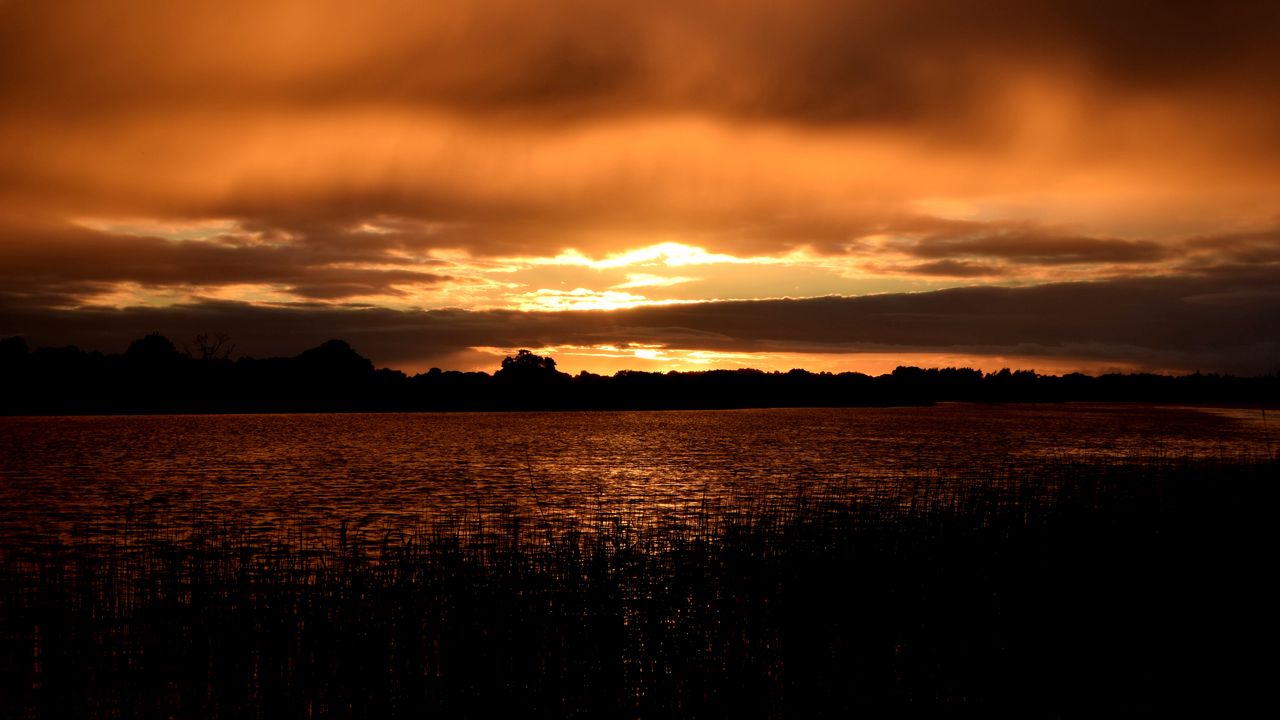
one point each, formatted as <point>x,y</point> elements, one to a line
<point>415,156</point>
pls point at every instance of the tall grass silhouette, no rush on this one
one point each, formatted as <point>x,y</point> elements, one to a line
<point>1076,588</point>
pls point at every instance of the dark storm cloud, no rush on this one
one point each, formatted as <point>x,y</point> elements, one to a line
<point>948,242</point>
<point>71,263</point>
<point>1212,323</point>
<point>311,113</point>
<point>813,60</point>
<point>1261,247</point>
<point>951,268</point>
<point>1050,250</point>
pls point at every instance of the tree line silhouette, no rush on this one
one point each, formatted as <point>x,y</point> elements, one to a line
<point>155,376</point>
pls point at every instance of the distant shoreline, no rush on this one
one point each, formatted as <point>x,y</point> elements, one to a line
<point>154,378</point>
<point>1270,407</point>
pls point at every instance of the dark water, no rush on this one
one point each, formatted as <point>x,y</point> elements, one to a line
<point>383,470</point>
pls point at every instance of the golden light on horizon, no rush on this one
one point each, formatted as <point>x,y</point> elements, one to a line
<point>668,254</point>
<point>610,359</point>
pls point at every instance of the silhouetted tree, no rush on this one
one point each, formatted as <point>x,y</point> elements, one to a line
<point>334,358</point>
<point>15,357</point>
<point>13,349</point>
<point>528,381</point>
<point>154,350</point>
<point>209,347</point>
<point>524,365</point>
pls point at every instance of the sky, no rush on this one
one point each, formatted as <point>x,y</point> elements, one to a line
<point>1052,184</point>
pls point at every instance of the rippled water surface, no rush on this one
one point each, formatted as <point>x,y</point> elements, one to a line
<point>376,470</point>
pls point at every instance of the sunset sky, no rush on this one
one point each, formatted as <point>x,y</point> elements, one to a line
<point>1048,184</point>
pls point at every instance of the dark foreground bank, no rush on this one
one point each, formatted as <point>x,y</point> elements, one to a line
<point>1079,590</point>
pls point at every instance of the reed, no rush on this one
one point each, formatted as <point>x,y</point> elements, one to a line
<point>1073,588</point>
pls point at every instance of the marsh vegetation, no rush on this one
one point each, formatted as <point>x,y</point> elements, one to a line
<point>1130,586</point>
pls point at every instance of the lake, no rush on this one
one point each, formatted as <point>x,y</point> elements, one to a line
<point>382,471</point>
<point>1004,560</point>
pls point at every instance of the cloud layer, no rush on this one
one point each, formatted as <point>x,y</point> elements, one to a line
<point>1160,323</point>
<point>392,159</point>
